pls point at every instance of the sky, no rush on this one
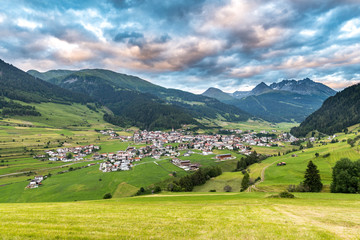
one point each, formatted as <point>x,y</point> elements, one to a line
<point>188,44</point>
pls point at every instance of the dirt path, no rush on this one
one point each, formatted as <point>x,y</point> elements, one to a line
<point>253,187</point>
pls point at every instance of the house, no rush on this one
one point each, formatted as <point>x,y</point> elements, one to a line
<point>39,178</point>
<point>185,163</point>
<point>223,156</point>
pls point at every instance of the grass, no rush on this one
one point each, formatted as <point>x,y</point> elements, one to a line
<point>278,178</point>
<point>233,179</point>
<point>258,125</point>
<point>187,216</point>
<point>89,183</point>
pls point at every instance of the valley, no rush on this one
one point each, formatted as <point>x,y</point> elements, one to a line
<point>171,156</point>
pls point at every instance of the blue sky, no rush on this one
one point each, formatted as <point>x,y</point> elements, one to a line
<point>190,45</point>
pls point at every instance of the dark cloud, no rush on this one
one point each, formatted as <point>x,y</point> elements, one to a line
<point>124,36</point>
<point>229,43</point>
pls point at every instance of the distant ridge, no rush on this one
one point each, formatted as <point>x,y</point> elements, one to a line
<point>288,100</point>
<point>217,93</point>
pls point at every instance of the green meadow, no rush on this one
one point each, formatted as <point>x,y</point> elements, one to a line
<point>187,216</point>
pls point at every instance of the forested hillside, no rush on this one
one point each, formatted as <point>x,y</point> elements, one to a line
<point>336,114</point>
<point>91,80</point>
<point>18,85</point>
<point>130,108</point>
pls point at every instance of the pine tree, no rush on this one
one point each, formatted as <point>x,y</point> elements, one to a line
<point>245,182</point>
<point>312,178</point>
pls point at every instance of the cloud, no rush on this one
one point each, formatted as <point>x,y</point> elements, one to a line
<point>191,45</point>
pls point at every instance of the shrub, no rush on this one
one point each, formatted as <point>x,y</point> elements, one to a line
<point>212,190</point>
<point>227,188</point>
<point>286,195</point>
<point>107,196</point>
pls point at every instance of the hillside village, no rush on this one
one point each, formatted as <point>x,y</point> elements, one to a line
<point>159,144</point>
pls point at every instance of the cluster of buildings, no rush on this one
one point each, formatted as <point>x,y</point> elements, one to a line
<point>119,161</point>
<point>110,133</point>
<point>185,164</point>
<point>77,153</point>
<point>34,183</point>
<point>239,141</point>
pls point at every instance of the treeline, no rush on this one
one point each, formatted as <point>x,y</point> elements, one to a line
<point>11,108</point>
<point>188,182</point>
<point>336,114</point>
<point>244,162</point>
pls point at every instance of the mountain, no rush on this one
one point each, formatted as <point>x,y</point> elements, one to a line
<point>217,93</point>
<point>118,92</point>
<point>305,87</point>
<point>260,89</point>
<point>286,101</point>
<point>18,85</point>
<point>336,113</point>
<point>280,106</point>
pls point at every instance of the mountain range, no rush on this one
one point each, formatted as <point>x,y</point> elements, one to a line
<point>137,102</point>
<point>286,101</point>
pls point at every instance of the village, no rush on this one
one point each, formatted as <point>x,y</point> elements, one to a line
<point>70,154</point>
<point>169,144</point>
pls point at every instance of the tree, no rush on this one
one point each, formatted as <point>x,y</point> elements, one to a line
<point>227,188</point>
<point>107,196</point>
<point>346,176</point>
<point>309,144</point>
<point>312,178</point>
<point>245,182</point>
<point>317,155</point>
<point>69,155</point>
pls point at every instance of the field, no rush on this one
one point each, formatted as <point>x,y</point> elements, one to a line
<point>278,178</point>
<point>187,216</point>
<point>258,125</point>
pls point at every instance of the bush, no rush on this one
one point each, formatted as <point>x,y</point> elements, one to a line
<point>227,188</point>
<point>157,189</point>
<point>212,190</point>
<point>286,195</point>
<point>107,196</point>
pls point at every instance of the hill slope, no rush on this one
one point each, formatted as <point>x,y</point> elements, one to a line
<point>18,85</point>
<point>108,81</point>
<point>337,112</point>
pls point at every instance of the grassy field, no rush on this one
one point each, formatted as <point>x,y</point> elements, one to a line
<point>278,178</point>
<point>187,216</point>
<point>258,125</point>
